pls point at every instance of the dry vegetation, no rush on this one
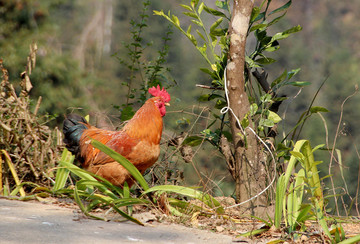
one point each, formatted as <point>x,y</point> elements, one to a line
<point>28,146</point>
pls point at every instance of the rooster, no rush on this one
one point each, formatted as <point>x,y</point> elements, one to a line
<point>138,141</point>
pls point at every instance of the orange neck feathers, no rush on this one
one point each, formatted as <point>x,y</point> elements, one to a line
<point>147,123</point>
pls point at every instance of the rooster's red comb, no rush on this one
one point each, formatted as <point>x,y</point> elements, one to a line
<point>157,92</point>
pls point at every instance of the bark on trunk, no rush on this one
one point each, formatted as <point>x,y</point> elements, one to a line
<point>249,170</point>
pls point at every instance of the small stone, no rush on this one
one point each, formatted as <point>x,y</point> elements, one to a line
<point>219,228</point>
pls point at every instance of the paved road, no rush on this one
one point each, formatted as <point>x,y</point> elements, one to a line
<point>34,222</point>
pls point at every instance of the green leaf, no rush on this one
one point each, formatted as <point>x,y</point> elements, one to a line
<point>264,61</point>
<point>194,3</point>
<point>160,13</point>
<point>196,22</point>
<point>274,21</point>
<point>188,30</point>
<point>209,72</point>
<point>318,109</point>
<point>216,24</point>
<point>271,48</point>
<point>213,43</point>
<point>193,141</point>
<point>293,72</point>
<point>221,4</point>
<point>191,14</point>
<point>251,62</point>
<point>176,20</point>
<point>298,155</point>
<point>279,99</point>
<point>258,26</point>
<point>220,104</point>
<point>183,122</point>
<point>285,34</point>
<point>218,32</point>
<point>280,79</point>
<point>259,17</point>
<point>253,109</point>
<point>254,13</point>
<point>274,117</point>
<point>261,36</point>
<point>214,12</point>
<point>282,8</point>
<point>192,39</point>
<point>245,122</point>
<point>298,83</point>
<point>266,98</point>
<point>186,7</point>
<point>201,7</point>
<point>266,122</point>
<point>293,30</point>
<point>202,49</point>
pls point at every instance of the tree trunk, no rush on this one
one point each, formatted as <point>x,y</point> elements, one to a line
<point>250,175</point>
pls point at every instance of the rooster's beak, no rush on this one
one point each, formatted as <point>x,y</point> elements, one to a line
<point>167,104</point>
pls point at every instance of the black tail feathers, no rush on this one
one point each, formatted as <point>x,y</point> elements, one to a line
<point>73,127</point>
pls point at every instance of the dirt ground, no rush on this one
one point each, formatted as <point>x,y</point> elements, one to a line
<point>41,223</point>
<point>231,224</point>
<point>203,229</point>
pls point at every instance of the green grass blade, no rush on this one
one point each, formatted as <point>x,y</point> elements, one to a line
<point>130,201</point>
<point>98,198</point>
<point>103,186</point>
<point>354,239</point>
<point>268,224</point>
<point>253,232</point>
<point>20,186</point>
<point>13,171</point>
<point>291,205</point>
<point>83,174</point>
<point>320,217</point>
<point>314,179</point>
<point>123,161</point>
<point>303,214</point>
<point>99,185</point>
<point>128,217</point>
<point>62,174</point>
<point>297,200</point>
<point>186,191</point>
<point>126,191</point>
<point>279,200</point>
<point>81,205</point>
<point>183,206</point>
